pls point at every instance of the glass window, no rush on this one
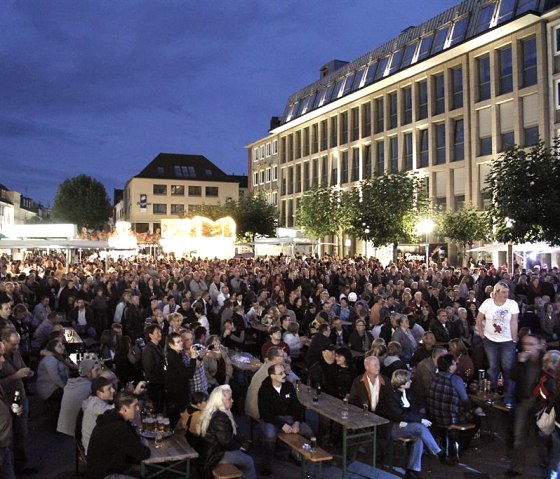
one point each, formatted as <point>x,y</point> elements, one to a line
<point>529,59</point>
<point>367,162</point>
<point>439,42</point>
<point>485,18</point>
<point>370,73</point>
<point>159,209</point>
<point>531,136</point>
<point>348,84</point>
<point>344,167</point>
<point>358,79</point>
<point>526,5</point>
<point>422,99</point>
<point>506,70</point>
<point>457,87</point>
<point>286,113</point>
<point>506,10</point>
<point>366,120</point>
<point>393,111</point>
<point>407,105</point>
<point>379,115</point>
<point>306,176</point>
<point>324,171</point>
<point>160,171</point>
<point>556,35</point>
<point>306,141</point>
<point>485,146</point>
<point>407,151</point>
<point>355,164</point>
<point>408,56</point>
<point>298,144</point>
<point>344,128</point>
<point>507,139</point>
<point>310,103</point>
<point>298,179</point>
<point>328,94</point>
<point>380,73</point>
<point>315,138</point>
<point>439,94</point>
<point>459,202</point>
<point>440,144</point>
<point>188,171</point>
<point>458,140</point>
<point>334,131</point>
<point>355,124</point>
<point>459,30</point>
<point>301,107</point>
<point>338,89</point>
<point>380,147</point>
<point>395,62</point>
<point>483,70</point>
<point>315,174</point>
<point>177,209</point>
<point>160,189</point>
<point>393,154</point>
<point>178,190</point>
<point>425,47</point>
<point>334,172</point>
<point>324,135</point>
<point>195,190</point>
<point>318,98</point>
<point>424,149</point>
<point>290,180</point>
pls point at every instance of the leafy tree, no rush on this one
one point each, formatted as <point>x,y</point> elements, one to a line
<point>321,212</point>
<point>464,227</point>
<point>82,200</point>
<point>213,212</point>
<point>526,194</point>
<point>385,209</point>
<point>253,216</point>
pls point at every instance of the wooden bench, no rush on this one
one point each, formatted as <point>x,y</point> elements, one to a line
<point>226,471</point>
<point>315,457</point>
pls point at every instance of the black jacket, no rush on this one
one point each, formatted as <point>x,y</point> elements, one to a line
<point>219,438</point>
<point>177,377</point>
<point>113,446</point>
<point>318,341</point>
<point>322,373</point>
<point>152,363</point>
<point>391,407</point>
<point>272,404</point>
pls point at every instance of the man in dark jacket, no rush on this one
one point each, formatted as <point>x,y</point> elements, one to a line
<point>177,377</point>
<point>152,363</point>
<point>319,340</point>
<point>280,410</point>
<point>114,446</point>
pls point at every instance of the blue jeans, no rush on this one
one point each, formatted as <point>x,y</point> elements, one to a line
<point>501,357</point>
<point>7,463</point>
<point>241,460</point>
<point>270,434</point>
<point>422,437</point>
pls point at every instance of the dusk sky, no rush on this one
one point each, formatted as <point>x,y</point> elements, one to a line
<point>101,87</point>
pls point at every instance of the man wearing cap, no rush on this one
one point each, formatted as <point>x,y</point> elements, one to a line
<point>102,392</point>
<point>75,392</point>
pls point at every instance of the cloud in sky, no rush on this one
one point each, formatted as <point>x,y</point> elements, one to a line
<point>101,87</point>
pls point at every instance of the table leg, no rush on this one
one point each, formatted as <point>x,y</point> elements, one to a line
<point>374,458</point>
<point>142,469</point>
<point>344,450</point>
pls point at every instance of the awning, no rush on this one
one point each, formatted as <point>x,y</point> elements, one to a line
<point>52,244</point>
<point>537,248</point>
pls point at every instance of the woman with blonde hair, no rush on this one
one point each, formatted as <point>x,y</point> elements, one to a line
<point>223,443</point>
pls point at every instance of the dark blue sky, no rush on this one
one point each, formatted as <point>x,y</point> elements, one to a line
<point>101,87</point>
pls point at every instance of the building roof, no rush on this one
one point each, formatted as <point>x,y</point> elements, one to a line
<point>173,166</point>
<point>415,44</point>
<point>243,180</point>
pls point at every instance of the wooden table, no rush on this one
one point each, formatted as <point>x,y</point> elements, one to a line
<point>356,426</point>
<point>258,326</point>
<point>251,366</point>
<point>174,455</point>
<point>74,343</point>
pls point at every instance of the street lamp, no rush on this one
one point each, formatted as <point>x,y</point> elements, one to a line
<point>425,227</point>
<point>366,231</point>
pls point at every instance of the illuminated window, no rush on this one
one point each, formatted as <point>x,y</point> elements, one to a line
<point>178,190</point>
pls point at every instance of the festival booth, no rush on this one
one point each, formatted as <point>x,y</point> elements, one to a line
<point>526,254</point>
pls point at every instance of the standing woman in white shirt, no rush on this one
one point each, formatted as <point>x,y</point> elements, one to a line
<point>499,335</point>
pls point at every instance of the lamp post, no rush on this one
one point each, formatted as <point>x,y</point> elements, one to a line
<point>425,227</point>
<point>366,231</point>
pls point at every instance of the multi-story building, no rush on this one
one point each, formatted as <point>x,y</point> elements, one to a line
<point>172,186</point>
<point>442,99</point>
<point>17,209</point>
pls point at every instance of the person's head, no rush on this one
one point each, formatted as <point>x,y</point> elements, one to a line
<point>199,399</point>
<point>175,320</point>
<point>438,351</point>
<point>103,388</point>
<point>532,345</point>
<point>337,323</point>
<point>117,328</point>
<point>127,405</point>
<point>11,339</point>
<point>213,343</point>
<point>5,310</point>
<point>174,342</point>
<point>89,368</point>
<point>360,326</point>
<point>220,400</point>
<point>429,340</point>
<point>400,378</point>
<point>275,333</point>
<point>293,327</point>
<point>277,374</point>
<point>343,357</point>
<point>152,333</point>
<point>187,338</point>
<point>403,321</point>
<point>276,355</point>
<point>442,316</point>
<point>2,358</point>
<point>394,348</point>
<point>457,347</point>
<point>372,367</point>
<point>551,360</point>
<point>447,363</point>
<point>55,346</point>
<point>500,292</point>
<point>324,329</point>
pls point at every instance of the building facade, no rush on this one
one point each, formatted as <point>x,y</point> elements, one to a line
<point>442,99</point>
<point>172,186</point>
<point>18,209</point>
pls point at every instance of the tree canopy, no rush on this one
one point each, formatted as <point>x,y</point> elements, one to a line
<point>82,200</point>
<point>253,216</point>
<point>526,194</point>
<point>320,212</point>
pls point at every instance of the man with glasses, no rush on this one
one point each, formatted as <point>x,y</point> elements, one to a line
<point>280,410</point>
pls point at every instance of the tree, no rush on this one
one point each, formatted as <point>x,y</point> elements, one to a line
<point>464,227</point>
<point>321,212</point>
<point>526,194</point>
<point>213,212</point>
<point>385,209</point>
<point>253,216</point>
<point>82,200</point>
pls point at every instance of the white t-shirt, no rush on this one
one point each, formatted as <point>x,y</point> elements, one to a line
<point>498,319</point>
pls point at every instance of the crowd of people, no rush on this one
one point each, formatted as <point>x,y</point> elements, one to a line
<point>407,340</point>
